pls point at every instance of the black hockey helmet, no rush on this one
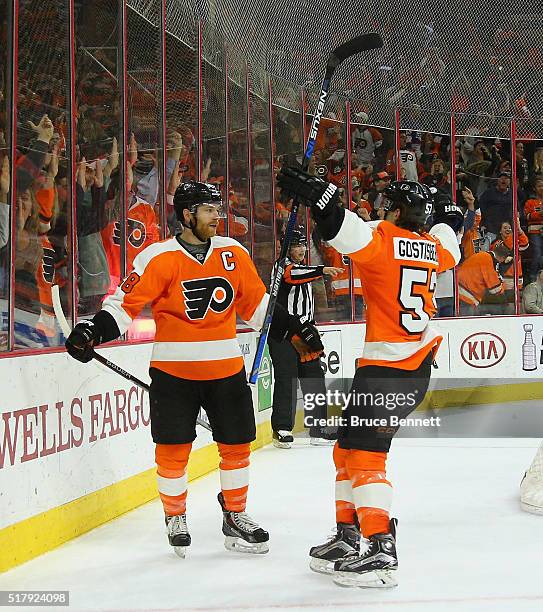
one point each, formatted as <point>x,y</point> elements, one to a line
<point>192,194</point>
<point>298,237</point>
<point>415,201</point>
<point>446,211</point>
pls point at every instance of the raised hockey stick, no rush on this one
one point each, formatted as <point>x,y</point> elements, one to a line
<point>365,42</point>
<point>65,327</point>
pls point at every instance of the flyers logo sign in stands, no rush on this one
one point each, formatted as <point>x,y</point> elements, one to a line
<point>202,294</point>
<point>136,233</point>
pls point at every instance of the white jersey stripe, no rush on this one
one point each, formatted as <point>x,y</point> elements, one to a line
<point>344,284</point>
<point>257,320</point>
<point>353,235</point>
<point>397,351</point>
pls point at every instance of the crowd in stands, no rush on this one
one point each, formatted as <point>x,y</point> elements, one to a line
<point>482,188</point>
<point>45,182</point>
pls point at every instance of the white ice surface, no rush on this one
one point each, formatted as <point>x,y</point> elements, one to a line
<point>463,542</point>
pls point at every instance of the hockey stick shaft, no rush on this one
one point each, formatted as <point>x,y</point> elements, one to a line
<point>65,327</point>
<point>361,43</point>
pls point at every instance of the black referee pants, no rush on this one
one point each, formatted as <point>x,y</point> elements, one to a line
<point>287,370</point>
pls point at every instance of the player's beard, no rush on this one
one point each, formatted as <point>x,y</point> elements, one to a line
<point>204,231</point>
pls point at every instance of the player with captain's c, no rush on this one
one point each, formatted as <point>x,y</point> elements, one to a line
<point>197,283</point>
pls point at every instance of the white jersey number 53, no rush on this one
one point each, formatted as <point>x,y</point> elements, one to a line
<point>415,314</point>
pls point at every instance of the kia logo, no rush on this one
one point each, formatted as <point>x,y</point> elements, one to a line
<point>482,350</point>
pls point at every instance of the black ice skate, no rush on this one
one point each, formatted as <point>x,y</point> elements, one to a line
<point>375,567</point>
<point>282,439</point>
<point>346,541</point>
<point>242,534</point>
<point>178,533</point>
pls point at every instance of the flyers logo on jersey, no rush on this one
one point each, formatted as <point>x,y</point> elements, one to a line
<point>202,294</point>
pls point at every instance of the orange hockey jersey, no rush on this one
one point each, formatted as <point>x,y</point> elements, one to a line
<point>341,284</point>
<point>476,276</point>
<point>142,230</point>
<point>398,269</point>
<point>509,273</point>
<point>472,240</point>
<point>533,210</point>
<point>194,305</point>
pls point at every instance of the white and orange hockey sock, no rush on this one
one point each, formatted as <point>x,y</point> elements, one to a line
<point>171,460</point>
<point>372,492</point>
<point>345,510</point>
<point>234,472</point>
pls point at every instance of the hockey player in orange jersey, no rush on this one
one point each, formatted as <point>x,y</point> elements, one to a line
<point>197,282</point>
<point>398,263</point>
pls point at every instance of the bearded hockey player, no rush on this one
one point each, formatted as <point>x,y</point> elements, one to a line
<point>197,282</point>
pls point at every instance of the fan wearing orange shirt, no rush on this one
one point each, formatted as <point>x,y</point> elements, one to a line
<point>477,277</point>
<point>197,283</point>
<point>398,263</point>
<point>507,271</point>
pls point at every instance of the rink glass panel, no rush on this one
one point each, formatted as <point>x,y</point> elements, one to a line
<point>425,156</point>
<point>213,161</point>
<point>530,187</point>
<point>239,218</point>
<point>480,161</point>
<point>288,145</point>
<point>144,93</point>
<point>43,86</point>
<point>101,161</point>
<point>262,172</point>
<point>5,171</point>
<point>329,162</point>
<point>181,98</point>
<point>43,197</point>
<point>372,141</point>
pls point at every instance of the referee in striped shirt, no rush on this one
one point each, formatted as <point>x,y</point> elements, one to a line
<point>296,295</point>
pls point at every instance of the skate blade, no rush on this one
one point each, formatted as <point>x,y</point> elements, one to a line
<point>321,442</point>
<point>278,444</point>
<point>239,545</point>
<point>532,509</point>
<point>321,566</point>
<point>180,551</point>
<point>378,579</point>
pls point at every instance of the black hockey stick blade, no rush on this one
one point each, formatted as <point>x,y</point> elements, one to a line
<point>364,42</point>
